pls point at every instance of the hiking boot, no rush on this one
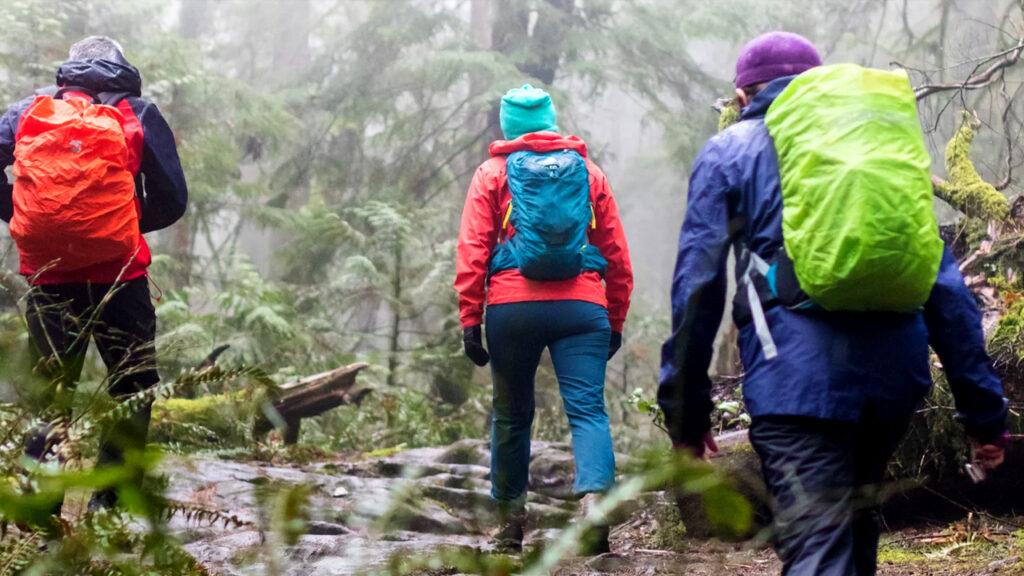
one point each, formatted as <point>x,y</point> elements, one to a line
<point>511,528</point>
<point>594,540</point>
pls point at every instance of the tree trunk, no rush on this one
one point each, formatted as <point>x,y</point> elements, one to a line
<point>480,24</point>
<point>396,315</point>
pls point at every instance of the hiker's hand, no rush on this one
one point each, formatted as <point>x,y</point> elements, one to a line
<point>472,342</point>
<point>614,344</point>
<point>707,444</point>
<point>987,456</point>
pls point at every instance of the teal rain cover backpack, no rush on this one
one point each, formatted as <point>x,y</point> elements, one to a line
<point>550,215</point>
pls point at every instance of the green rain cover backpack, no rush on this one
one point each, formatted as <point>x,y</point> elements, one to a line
<point>857,218</point>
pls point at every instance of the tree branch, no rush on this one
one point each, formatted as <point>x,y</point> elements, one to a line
<point>976,79</point>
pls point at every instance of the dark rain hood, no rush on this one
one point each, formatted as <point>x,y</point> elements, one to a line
<point>101,76</point>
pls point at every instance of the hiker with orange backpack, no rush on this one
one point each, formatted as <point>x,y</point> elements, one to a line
<point>540,230</point>
<point>823,190</point>
<point>95,168</point>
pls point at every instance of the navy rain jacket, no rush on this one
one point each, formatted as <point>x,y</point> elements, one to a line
<point>829,365</point>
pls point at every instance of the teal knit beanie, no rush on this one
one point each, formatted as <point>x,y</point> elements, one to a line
<point>525,110</point>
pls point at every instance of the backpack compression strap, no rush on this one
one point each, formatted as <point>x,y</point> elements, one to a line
<point>508,216</point>
<point>756,264</point>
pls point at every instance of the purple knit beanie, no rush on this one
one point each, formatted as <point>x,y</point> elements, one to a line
<point>774,55</point>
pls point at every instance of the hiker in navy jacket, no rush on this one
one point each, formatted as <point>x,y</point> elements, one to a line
<point>829,410</point>
<point>62,304</point>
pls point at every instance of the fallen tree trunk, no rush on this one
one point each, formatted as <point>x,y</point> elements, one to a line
<point>310,397</point>
<point>12,287</point>
<point>220,420</point>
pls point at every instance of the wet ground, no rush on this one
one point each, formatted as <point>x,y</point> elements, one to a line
<point>368,513</point>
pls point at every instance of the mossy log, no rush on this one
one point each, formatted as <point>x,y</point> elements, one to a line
<point>313,396</point>
<point>223,419</point>
<point>728,112</point>
<point>205,422</point>
<point>965,190</point>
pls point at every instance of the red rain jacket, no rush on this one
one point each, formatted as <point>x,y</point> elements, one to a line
<point>481,230</point>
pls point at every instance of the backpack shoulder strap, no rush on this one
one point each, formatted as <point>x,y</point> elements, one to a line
<point>104,98</point>
<point>503,173</point>
<point>112,98</point>
<point>59,95</point>
<point>751,263</point>
<point>502,191</point>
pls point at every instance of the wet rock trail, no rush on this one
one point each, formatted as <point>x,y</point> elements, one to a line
<point>364,511</point>
<point>369,511</point>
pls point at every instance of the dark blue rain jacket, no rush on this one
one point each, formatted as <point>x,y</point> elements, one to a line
<point>829,365</point>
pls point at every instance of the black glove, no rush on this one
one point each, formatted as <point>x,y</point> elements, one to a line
<point>472,341</point>
<point>615,344</point>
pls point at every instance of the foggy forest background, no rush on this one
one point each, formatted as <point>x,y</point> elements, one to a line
<point>328,146</point>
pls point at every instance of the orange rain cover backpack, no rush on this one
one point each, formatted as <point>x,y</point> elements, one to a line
<point>74,193</point>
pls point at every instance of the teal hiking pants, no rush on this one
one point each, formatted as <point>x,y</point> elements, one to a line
<point>577,335</point>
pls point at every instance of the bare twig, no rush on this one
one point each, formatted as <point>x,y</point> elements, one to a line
<point>973,257</point>
<point>906,25</point>
<point>1007,135</point>
<point>878,34</point>
<point>976,79</point>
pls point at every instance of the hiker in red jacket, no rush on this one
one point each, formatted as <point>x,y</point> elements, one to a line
<point>540,231</point>
<point>96,167</point>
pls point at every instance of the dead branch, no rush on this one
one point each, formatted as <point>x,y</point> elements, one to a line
<point>976,79</point>
<point>313,396</point>
<point>211,359</point>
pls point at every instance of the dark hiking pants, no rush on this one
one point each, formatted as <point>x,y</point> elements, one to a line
<point>824,477</point>
<point>62,319</point>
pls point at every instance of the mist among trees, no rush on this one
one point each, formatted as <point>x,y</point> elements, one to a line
<point>328,146</point>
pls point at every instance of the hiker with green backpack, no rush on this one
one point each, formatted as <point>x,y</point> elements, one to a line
<point>823,191</point>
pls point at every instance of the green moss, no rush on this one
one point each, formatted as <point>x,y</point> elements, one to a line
<point>730,115</point>
<point>1007,343</point>
<point>934,445</point>
<point>975,232</point>
<point>385,452</point>
<point>895,555</point>
<point>671,531</point>
<point>966,190</point>
<point>209,421</point>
